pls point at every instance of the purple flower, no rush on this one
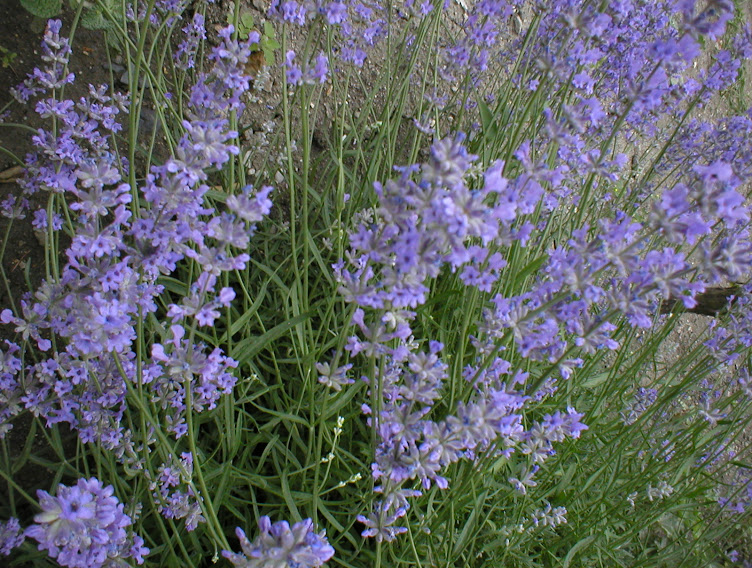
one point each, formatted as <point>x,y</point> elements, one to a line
<point>380,523</point>
<point>10,535</point>
<point>449,162</point>
<point>293,72</point>
<point>193,32</point>
<point>712,18</point>
<point>14,208</point>
<point>288,11</point>
<point>198,304</point>
<point>251,208</point>
<point>56,52</point>
<point>40,220</point>
<point>640,402</point>
<point>334,12</point>
<point>280,545</point>
<point>173,491</point>
<point>319,72</point>
<point>549,516</point>
<point>335,379</point>
<point>84,526</point>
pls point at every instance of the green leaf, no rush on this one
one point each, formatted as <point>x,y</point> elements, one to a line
<point>95,19</point>
<point>269,43</point>
<point>268,46</point>
<point>243,320</point>
<point>470,527</point>
<point>269,31</point>
<point>173,285</point>
<point>585,542</point>
<point>246,20</point>
<point>289,499</point>
<point>7,56</point>
<point>486,116</point>
<point>596,380</point>
<point>247,348</point>
<point>43,8</point>
<point>567,478</point>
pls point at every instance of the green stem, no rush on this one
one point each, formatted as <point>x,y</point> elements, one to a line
<point>211,516</point>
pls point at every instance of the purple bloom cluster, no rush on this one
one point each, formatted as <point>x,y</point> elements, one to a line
<point>367,17</point>
<point>620,63</point>
<point>615,272</point>
<point>738,496</point>
<point>641,401</point>
<point>11,536</point>
<point>193,33</point>
<point>162,12</point>
<point>420,227</point>
<point>173,491</point>
<point>84,526</point>
<point>550,516</point>
<point>179,363</point>
<point>430,217</point>
<point>449,219</point>
<point>316,73</point>
<point>10,395</point>
<point>55,53</point>
<point>124,239</point>
<point>280,546</point>
<point>428,223</point>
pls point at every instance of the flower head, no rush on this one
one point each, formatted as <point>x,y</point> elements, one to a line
<point>280,546</point>
<point>84,526</point>
<point>10,536</point>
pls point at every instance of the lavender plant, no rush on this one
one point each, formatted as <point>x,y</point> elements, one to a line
<point>443,342</point>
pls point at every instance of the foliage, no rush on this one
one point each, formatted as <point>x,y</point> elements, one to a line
<point>7,56</point>
<point>43,8</point>
<point>267,44</point>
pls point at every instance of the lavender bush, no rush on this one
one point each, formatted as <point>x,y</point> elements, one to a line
<point>433,338</point>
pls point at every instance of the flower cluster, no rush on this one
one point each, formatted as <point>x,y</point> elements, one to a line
<point>435,220</point>
<point>193,33</point>
<point>452,222</point>
<point>313,74</point>
<point>56,52</point>
<point>641,401</point>
<point>421,226</point>
<point>550,516</point>
<point>280,545</point>
<point>184,374</point>
<point>84,526</point>
<point>738,496</point>
<point>360,26</point>
<point>11,536</point>
<point>124,239</point>
<point>173,491</point>
<point>622,64</point>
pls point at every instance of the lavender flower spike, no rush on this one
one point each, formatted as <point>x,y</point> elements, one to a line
<point>279,546</point>
<point>85,526</point>
<point>10,536</point>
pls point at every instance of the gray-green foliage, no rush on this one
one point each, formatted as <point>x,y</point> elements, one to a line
<point>7,56</point>
<point>94,15</point>
<point>43,8</point>
<point>100,16</point>
<point>268,43</point>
